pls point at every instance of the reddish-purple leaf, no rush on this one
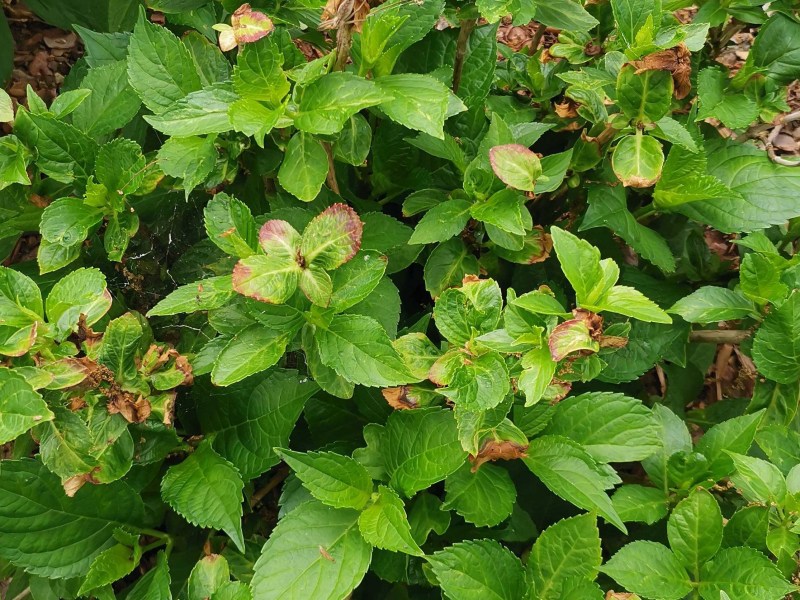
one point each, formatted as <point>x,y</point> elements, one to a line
<point>332,238</point>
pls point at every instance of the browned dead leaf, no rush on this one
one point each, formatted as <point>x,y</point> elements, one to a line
<point>135,410</point>
<point>343,12</point>
<point>566,109</point>
<point>398,398</point>
<point>677,60</point>
<point>492,450</point>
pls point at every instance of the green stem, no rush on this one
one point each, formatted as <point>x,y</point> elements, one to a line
<point>163,539</point>
<point>645,212</point>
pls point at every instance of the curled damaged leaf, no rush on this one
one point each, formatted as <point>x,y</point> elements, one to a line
<point>247,25</point>
<point>134,410</point>
<point>638,160</point>
<point>72,484</point>
<point>516,166</point>
<point>493,450</point>
<point>399,398</point>
<point>344,12</point>
<point>677,60</point>
<point>581,334</point>
<point>536,247</point>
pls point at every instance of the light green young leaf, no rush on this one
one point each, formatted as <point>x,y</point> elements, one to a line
<point>384,523</point>
<point>359,350</point>
<point>758,480</point>
<point>206,490</point>
<point>505,210</point>
<point>610,427</point>
<point>112,564</point>
<point>314,547</point>
<point>580,262</point>
<point>81,292</point>
<point>333,479</point>
<point>199,113</point>
<point>112,104</point>
<point>153,584</point>
<point>638,160</point>
<point>447,266</point>
<point>565,14</point>
<point>694,530</point>
<point>209,574</point>
<point>67,221</point>
<point>258,74</point>
<point>416,101</point>
<point>479,570</point>
<point>640,504</point>
<point>566,551</point>
<point>207,294</point>
<point>734,435</point>
<point>442,222</point>
<point>271,279</point>
<point>190,159</point>
<point>644,97</point>
<point>631,16</point>
<point>649,569</point>
<point>328,102</point>
<point>516,166</point>
<point>252,350</point>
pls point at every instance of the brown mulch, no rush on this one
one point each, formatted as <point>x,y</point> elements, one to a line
<point>43,55</point>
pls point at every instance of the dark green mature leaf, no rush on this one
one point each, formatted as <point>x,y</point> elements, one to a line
<point>384,523</point>
<point>565,14</point>
<point>566,551</point>
<point>31,499</point>
<point>571,473</point>
<point>649,569</point>
<point>776,347</point>
<point>743,573</point>
<point>112,103</point>
<point>206,490</point>
<point>304,167</point>
<point>611,427</point>
<point>314,547</point>
<point>21,407</point>
<point>252,417</point>
<point>333,479</point>
<point>479,569</point>
<point>160,68</point>
<point>418,102</point>
<point>259,75</point>
<point>711,304</point>
<point>775,50</point>
<point>198,113</point>
<point>484,498</point>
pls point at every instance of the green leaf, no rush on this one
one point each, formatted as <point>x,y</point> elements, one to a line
<point>641,504</point>
<point>571,473</point>
<point>447,266</point>
<point>279,239</point>
<point>610,427</point>
<point>314,547</point>
<point>565,14</point>
<point>644,97</point>
<point>332,237</point>
<point>120,166</point>
<point>354,142</point>
<point>567,551</point>
<point>359,350</point>
<point>67,221</point>
<point>775,49</point>
<point>649,569</point>
<point>355,280</point>
<point>418,102</point>
<point>758,480</point>
<point>694,530</point>
<point>743,573</point>
<point>608,208</point>
<point>776,347</point>
<point>206,490</point>
<point>484,498</point>
<point>62,152</point>
<point>209,574</point>
<point>463,313</point>
<point>631,302</point>
<point>474,383</point>
<point>271,279</point>
<point>304,167</point>
<point>516,166</point>
<point>733,435</point>
<point>199,113</point>
<point>21,407</point>
<point>160,68</point>
<point>207,294</point>
<point>631,16</point>
<point>479,570</point>
<point>253,118</point>
<point>112,564</point>
<point>384,523</point>
<point>590,277</point>
<point>505,210</point>
<point>190,159</point>
<point>258,74</point>
<point>735,110</point>
<point>327,103</point>
<point>421,448</point>
<point>251,350</point>
<point>333,479</point>
<point>637,160</point>
<point>119,345</point>
<point>14,159</point>
<point>31,499</point>
<point>112,104</point>
<point>252,417</point>
<point>711,304</point>
<point>153,584</point>
<point>80,293</point>
<point>479,66</point>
